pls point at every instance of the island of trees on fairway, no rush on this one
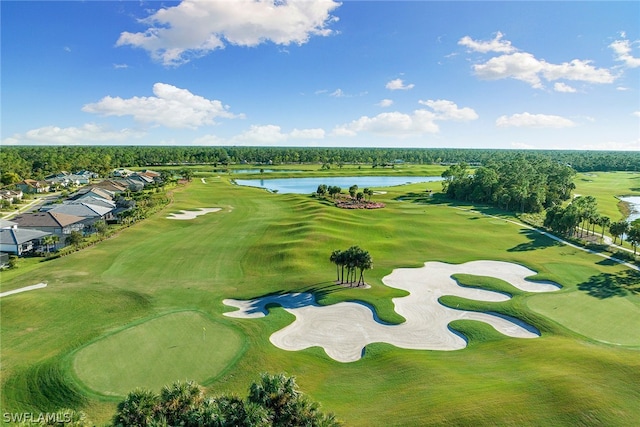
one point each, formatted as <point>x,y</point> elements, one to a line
<point>356,200</point>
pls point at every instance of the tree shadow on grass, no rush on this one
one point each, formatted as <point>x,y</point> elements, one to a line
<point>536,241</point>
<point>607,285</point>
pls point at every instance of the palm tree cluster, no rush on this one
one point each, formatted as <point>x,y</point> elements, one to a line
<point>273,401</point>
<point>580,216</point>
<point>353,259</point>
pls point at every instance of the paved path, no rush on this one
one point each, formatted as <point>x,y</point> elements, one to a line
<point>25,289</point>
<point>556,238</point>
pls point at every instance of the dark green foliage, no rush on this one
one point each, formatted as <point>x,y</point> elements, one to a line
<point>274,401</point>
<point>37,162</point>
<point>354,258</point>
<point>523,183</point>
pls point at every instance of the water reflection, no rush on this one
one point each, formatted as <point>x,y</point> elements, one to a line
<point>309,185</point>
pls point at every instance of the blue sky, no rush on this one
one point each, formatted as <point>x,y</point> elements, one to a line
<point>537,75</point>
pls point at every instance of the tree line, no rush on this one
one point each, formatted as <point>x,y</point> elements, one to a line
<point>523,183</point>
<point>581,217</point>
<point>35,162</point>
<point>352,260</point>
<point>275,400</point>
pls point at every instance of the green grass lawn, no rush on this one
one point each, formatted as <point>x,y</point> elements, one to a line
<point>173,347</point>
<point>261,243</point>
<point>605,186</point>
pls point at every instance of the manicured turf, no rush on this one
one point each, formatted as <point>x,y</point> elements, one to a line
<point>261,243</point>
<point>173,347</point>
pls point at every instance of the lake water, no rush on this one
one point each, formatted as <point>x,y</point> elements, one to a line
<point>263,170</point>
<point>634,205</point>
<point>310,185</point>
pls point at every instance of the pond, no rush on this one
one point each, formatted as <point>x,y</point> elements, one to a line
<point>310,185</point>
<point>261,170</point>
<point>634,207</point>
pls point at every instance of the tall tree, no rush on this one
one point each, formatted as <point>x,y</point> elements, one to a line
<point>335,258</point>
<point>633,236</point>
<point>618,229</point>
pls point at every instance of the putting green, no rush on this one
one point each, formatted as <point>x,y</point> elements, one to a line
<point>178,346</point>
<point>612,320</point>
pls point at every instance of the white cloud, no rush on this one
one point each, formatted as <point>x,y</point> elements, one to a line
<point>623,49</point>
<point>636,113</point>
<point>88,133</point>
<point>519,66</point>
<point>534,121</point>
<point>402,125</point>
<point>272,134</point>
<point>385,103</point>
<point>525,67</point>
<point>316,133</point>
<point>576,70</point>
<point>562,87</point>
<point>194,28</point>
<point>448,110</point>
<point>495,45</point>
<point>614,146</point>
<point>171,107</point>
<point>338,93</point>
<point>120,66</point>
<point>398,84</point>
<point>391,124</point>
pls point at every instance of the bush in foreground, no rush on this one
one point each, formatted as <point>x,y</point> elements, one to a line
<point>273,401</point>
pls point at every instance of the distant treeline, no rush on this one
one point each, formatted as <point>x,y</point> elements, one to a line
<point>36,162</point>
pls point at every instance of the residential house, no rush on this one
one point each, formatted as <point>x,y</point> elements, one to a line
<point>91,213</point>
<point>92,191</point>
<point>94,200</point>
<point>7,224</point>
<point>11,196</point>
<point>31,186</point>
<point>122,172</point>
<point>19,241</point>
<point>115,187</point>
<point>56,223</point>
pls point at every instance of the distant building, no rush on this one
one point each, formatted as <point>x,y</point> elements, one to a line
<point>31,186</point>
<point>20,241</point>
<point>55,223</point>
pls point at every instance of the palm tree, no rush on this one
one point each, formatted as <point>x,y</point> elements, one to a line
<point>179,399</point>
<point>50,240</point>
<point>286,405</point>
<point>353,190</point>
<point>604,222</point>
<point>365,262</point>
<point>368,192</point>
<point>633,237</point>
<point>137,409</point>
<point>617,229</point>
<point>335,258</point>
<point>277,393</point>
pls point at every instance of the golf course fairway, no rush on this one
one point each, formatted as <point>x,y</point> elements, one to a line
<point>129,312</point>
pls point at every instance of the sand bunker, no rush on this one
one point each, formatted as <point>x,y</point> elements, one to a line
<point>192,214</point>
<point>344,329</point>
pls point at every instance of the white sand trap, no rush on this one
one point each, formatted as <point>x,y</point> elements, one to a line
<point>25,289</point>
<point>192,214</point>
<point>345,329</point>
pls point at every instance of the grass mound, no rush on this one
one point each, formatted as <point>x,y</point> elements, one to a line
<point>160,351</point>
